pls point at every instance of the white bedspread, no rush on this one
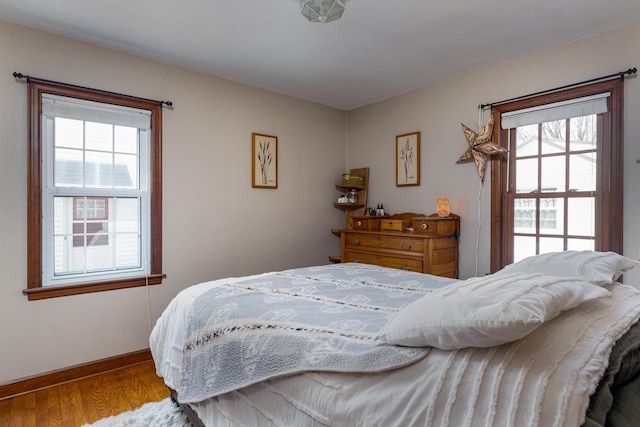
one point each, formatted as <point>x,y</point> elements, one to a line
<point>544,379</point>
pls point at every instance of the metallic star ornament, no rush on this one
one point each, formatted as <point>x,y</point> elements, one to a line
<point>480,147</point>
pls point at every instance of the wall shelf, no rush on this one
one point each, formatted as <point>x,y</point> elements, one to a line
<point>351,209</point>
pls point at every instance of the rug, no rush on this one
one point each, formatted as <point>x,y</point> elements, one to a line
<point>157,414</point>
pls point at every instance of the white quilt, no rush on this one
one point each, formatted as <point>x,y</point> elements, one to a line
<point>544,379</point>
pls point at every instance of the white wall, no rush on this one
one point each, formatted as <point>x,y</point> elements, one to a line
<point>215,223</point>
<point>437,112</point>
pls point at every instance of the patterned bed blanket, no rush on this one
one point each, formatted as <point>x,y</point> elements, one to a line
<point>310,319</point>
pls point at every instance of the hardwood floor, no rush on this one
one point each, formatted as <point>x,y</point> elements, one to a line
<point>86,400</point>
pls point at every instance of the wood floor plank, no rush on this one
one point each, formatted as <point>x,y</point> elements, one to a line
<point>115,401</point>
<point>30,406</point>
<point>5,412</point>
<point>87,392</point>
<point>53,408</point>
<point>42,408</point>
<point>71,408</point>
<point>157,390</point>
<point>86,400</point>
<point>132,388</point>
<point>19,412</point>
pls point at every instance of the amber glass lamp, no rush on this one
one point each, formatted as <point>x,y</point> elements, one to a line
<point>443,207</point>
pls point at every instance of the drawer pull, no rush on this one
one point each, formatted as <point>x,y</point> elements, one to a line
<point>406,246</point>
<point>355,242</point>
<point>359,223</point>
<point>424,226</point>
<point>405,268</point>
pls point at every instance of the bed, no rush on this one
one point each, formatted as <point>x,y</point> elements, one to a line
<point>550,341</point>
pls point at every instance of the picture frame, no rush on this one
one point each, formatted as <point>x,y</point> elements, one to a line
<point>408,159</point>
<point>264,164</point>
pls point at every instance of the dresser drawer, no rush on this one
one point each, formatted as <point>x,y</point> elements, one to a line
<point>443,256</point>
<point>434,225</point>
<point>402,244</point>
<point>367,223</point>
<point>402,264</point>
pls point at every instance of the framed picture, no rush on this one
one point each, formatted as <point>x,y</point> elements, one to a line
<point>408,159</point>
<point>264,166</point>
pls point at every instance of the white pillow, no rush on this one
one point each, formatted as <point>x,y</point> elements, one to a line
<point>599,268</point>
<point>486,311</point>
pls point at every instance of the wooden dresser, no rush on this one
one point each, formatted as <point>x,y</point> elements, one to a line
<point>431,248</point>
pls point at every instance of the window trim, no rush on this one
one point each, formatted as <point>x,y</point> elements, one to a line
<point>612,161</point>
<point>35,290</point>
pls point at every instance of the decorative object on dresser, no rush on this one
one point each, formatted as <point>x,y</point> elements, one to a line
<point>426,244</point>
<point>443,206</point>
<point>353,184</point>
<point>408,159</point>
<point>264,163</point>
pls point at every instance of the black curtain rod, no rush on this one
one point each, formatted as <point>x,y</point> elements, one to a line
<point>29,78</point>
<point>621,75</point>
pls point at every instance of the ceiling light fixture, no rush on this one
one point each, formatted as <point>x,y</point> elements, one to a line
<point>322,10</point>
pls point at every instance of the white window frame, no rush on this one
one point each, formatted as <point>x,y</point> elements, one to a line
<point>91,111</point>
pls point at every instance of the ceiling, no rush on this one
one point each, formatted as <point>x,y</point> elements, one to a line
<point>378,50</point>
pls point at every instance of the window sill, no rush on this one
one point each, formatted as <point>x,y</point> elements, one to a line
<point>66,290</point>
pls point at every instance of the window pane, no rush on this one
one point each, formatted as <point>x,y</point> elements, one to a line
<point>126,140</point>
<point>127,216</point>
<point>580,244</point>
<point>527,140</point>
<point>551,244</point>
<point>552,216</point>
<point>581,216</point>
<point>526,175</point>
<point>524,216</point>
<point>582,133</point>
<point>582,168</point>
<point>98,170</point>
<point>125,173</point>
<point>553,174</point>
<point>67,171</point>
<point>98,136</point>
<point>128,250</point>
<point>68,133</point>
<point>83,243</point>
<point>554,137</point>
<point>523,247</point>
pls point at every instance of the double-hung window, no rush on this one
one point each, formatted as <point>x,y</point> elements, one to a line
<point>94,191</point>
<point>560,186</point>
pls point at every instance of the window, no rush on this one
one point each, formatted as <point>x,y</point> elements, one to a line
<point>560,186</point>
<point>94,191</point>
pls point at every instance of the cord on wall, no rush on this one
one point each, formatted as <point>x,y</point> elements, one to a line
<point>479,226</point>
<point>146,282</point>
<point>480,123</point>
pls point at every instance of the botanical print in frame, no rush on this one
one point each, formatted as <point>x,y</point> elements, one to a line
<point>264,169</point>
<point>408,159</point>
